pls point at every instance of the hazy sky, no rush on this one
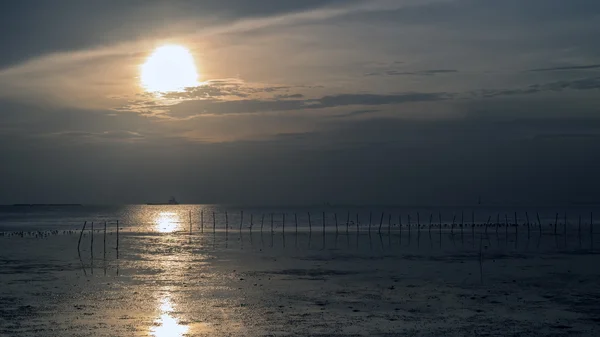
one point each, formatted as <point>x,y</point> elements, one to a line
<point>302,102</point>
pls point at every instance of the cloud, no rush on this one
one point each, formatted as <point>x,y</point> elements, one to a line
<point>216,107</point>
<point>357,113</point>
<point>121,135</point>
<point>583,67</point>
<point>429,72</point>
<point>589,83</point>
<point>286,96</point>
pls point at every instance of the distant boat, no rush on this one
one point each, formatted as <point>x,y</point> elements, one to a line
<point>171,201</point>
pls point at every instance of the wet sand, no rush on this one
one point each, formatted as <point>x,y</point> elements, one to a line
<point>243,284</point>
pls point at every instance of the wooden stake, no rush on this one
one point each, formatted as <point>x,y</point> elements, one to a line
<point>241,219</point>
<point>214,222</point>
<point>539,222</point>
<point>440,218</point>
<point>251,222</point>
<point>202,220</point>
<point>283,222</point>
<point>296,221</point>
<point>323,222</point>
<point>528,226</point>
<point>556,224</point>
<point>370,220</point>
<point>310,223</point>
<point>262,222</point>
<point>271,222</point>
<point>380,223</point>
<point>389,223</point>
<point>226,222</point>
<point>190,222</point>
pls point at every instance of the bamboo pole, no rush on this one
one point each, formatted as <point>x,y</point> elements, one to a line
<point>92,241</point>
<point>251,222</point>
<point>296,221</point>
<point>117,239</point>
<point>323,222</point>
<point>565,228</point>
<point>462,222</point>
<point>271,223</point>
<point>497,223</point>
<point>528,226</point>
<point>202,220</point>
<point>214,222</point>
<point>440,218</point>
<point>81,235</point>
<point>380,222</point>
<point>473,224</point>
<point>419,226</point>
<point>389,223</point>
<point>310,223</point>
<point>241,219</point>
<point>357,225</point>
<point>226,223</point>
<point>539,222</point>
<point>104,241</point>
<point>453,223</point>
<point>370,220</point>
<point>283,222</point>
<point>348,223</point>
<point>190,222</point>
<point>400,226</point>
<point>336,222</point>
<point>262,222</point>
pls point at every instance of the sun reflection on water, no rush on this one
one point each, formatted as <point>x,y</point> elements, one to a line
<point>167,222</point>
<point>166,325</point>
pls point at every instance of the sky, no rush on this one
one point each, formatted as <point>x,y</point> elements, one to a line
<point>404,102</point>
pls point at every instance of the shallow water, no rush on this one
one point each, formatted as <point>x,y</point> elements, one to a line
<point>166,282</point>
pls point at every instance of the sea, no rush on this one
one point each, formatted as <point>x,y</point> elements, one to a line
<point>179,217</point>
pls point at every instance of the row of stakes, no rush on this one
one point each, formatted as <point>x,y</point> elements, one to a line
<point>454,224</point>
<point>348,223</point>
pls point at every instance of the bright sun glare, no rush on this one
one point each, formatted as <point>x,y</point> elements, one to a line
<point>169,68</point>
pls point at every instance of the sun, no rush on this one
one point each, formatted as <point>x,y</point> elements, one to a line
<point>169,68</point>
